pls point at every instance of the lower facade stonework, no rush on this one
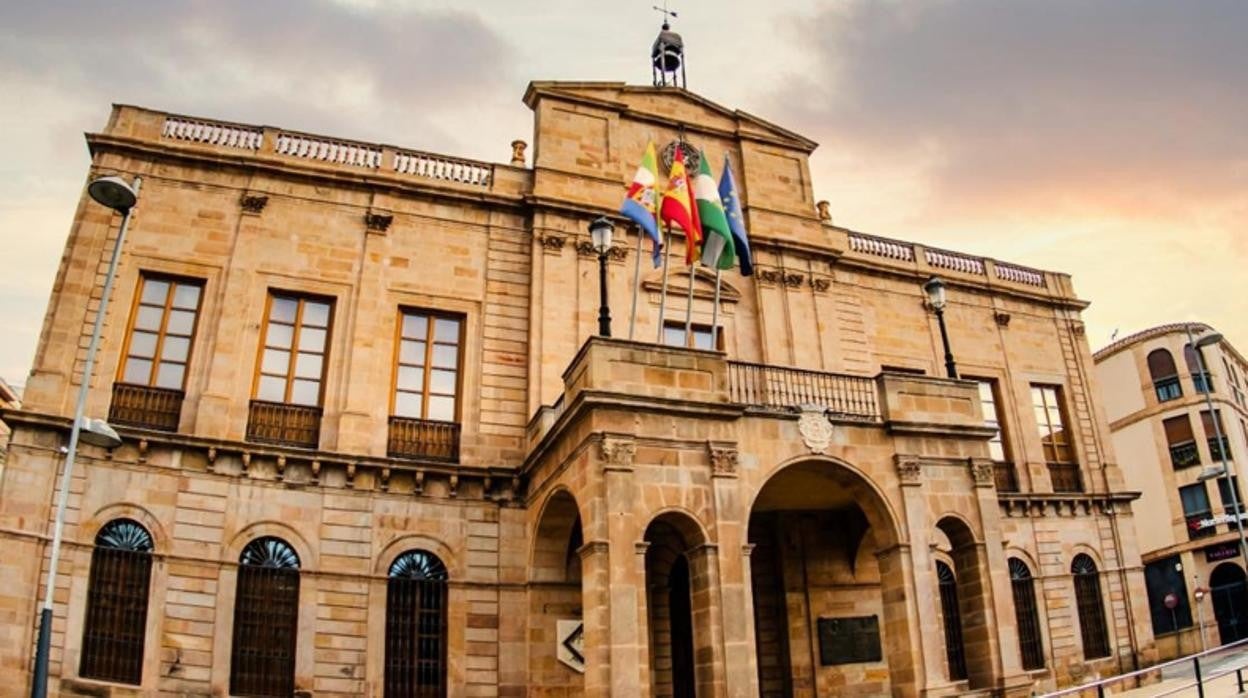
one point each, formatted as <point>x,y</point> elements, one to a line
<point>708,549</point>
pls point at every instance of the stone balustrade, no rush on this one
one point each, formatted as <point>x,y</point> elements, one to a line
<point>180,128</point>
<point>931,260</point>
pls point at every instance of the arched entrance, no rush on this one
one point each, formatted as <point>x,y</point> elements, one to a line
<point>1228,587</point>
<point>677,604</point>
<point>962,587</point>
<point>555,594</point>
<point>824,560</point>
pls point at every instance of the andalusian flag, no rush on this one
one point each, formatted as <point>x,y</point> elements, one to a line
<point>677,206</point>
<point>717,248</point>
<point>736,219</point>
<point>639,204</point>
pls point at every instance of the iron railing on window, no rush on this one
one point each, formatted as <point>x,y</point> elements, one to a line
<point>146,407</point>
<point>266,608</point>
<point>280,423</point>
<point>1091,615</point>
<point>1184,455</point>
<point>1065,477</point>
<point>416,637</point>
<point>116,620</point>
<point>760,385</point>
<point>1219,449</point>
<point>423,438</point>
<point>1023,586</point>
<point>955,652</point>
<point>1005,476</point>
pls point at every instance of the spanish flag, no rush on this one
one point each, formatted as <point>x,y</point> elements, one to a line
<point>677,207</point>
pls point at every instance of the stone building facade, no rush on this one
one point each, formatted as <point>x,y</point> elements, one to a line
<point>346,371</point>
<point>1155,397</point>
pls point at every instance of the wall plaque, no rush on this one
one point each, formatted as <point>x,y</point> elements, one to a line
<point>849,640</point>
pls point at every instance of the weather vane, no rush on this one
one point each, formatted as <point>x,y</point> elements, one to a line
<point>666,13</point>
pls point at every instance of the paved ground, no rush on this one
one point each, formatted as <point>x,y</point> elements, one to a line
<point>1177,680</point>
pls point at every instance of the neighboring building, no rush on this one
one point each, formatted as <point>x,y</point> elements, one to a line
<point>8,400</point>
<point>371,447</point>
<point>1154,395</point>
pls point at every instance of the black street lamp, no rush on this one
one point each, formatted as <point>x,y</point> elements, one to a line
<point>935,289</point>
<point>600,231</point>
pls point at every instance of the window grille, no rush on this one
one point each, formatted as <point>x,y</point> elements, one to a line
<point>416,600</point>
<point>952,611</point>
<point>116,619</point>
<point>1024,587</point>
<point>1091,608</point>
<point>266,617</point>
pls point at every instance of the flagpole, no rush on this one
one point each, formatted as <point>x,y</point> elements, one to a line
<point>632,318</point>
<point>715,312</point>
<point>667,246</point>
<point>693,270</point>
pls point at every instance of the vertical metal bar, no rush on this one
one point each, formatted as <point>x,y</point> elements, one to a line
<point>693,275</point>
<point>1200,684</point>
<point>632,316</point>
<point>715,313</point>
<point>667,246</point>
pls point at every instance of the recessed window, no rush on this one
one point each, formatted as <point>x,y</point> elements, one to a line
<point>116,620</point>
<point>1091,607</point>
<point>427,366</point>
<point>1181,440</point>
<point>416,600</point>
<point>1023,586</point>
<point>162,328</point>
<point>291,369</point>
<point>1219,448</point>
<point>1165,375</point>
<point>1200,378</point>
<point>266,620</point>
<point>1050,412</point>
<point>1196,510</point>
<point>992,417</point>
<point>951,611</point>
<point>702,337</point>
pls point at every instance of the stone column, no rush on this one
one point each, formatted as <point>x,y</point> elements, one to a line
<point>994,570</point>
<point>707,610</point>
<point>626,583</point>
<point>740,663</point>
<point>919,569</point>
<point>596,615</point>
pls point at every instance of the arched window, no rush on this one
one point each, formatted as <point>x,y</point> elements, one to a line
<point>952,612</point>
<point>266,617</point>
<point>1091,607</point>
<point>1195,362</point>
<point>1024,588</point>
<point>416,626</point>
<point>1165,375</point>
<point>116,623</point>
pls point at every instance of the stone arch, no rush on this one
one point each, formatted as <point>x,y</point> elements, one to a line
<point>973,600</point>
<point>557,536</point>
<point>403,543</point>
<point>555,590</point>
<point>679,586</point>
<point>234,547</point>
<point>125,510</point>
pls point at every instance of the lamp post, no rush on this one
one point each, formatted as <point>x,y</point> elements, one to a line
<point>1198,345</point>
<point>600,231</point>
<point>935,289</point>
<point>117,194</point>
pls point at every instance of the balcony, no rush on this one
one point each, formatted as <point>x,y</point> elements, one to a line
<point>1219,450</point>
<point>1065,477</point>
<point>423,439</point>
<point>1184,455</point>
<point>146,407</point>
<point>286,425</point>
<point>778,387</point>
<point>1005,477</point>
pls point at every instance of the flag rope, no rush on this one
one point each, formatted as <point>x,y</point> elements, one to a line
<point>693,270</point>
<point>632,318</point>
<point>667,246</point>
<point>715,313</point>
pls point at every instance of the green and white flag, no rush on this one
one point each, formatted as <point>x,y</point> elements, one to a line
<point>717,247</point>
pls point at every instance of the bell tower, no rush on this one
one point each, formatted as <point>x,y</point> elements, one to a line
<point>667,55</point>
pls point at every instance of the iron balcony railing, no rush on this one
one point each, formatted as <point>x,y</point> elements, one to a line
<point>845,396</point>
<point>1184,455</point>
<point>1065,477</point>
<point>287,425</point>
<point>1005,477</point>
<point>424,439</point>
<point>145,407</point>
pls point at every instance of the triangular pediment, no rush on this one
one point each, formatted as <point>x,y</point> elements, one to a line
<point>703,284</point>
<point>668,105</point>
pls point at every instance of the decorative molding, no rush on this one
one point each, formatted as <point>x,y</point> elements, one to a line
<point>552,244</point>
<point>723,460</point>
<point>982,472</point>
<point>815,428</point>
<point>1001,317</point>
<point>909,470</point>
<point>792,279</point>
<point>825,211</point>
<point>821,284</point>
<point>617,454</point>
<point>378,222</point>
<point>668,154</point>
<point>585,248</point>
<point>617,253</point>
<point>517,152</point>
<point>1078,329</point>
<point>593,547</point>
<point>253,204</point>
<point>769,277</point>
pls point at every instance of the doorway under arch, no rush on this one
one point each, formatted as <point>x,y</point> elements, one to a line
<point>677,606</point>
<point>1229,589</point>
<point>555,591</point>
<point>828,585</point>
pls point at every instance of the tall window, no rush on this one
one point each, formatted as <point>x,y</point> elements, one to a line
<point>1091,607</point>
<point>1024,587</point>
<point>296,338</point>
<point>426,374</point>
<point>955,653</point>
<point>1055,438</point>
<point>1003,469</point>
<point>158,346</point>
<point>1182,442</point>
<point>1165,375</point>
<point>1219,449</point>
<point>1195,499</point>
<point>416,626</point>
<point>1199,378</point>
<point>1162,579</point>
<point>702,336</point>
<point>116,621</point>
<point>1232,498</point>
<point>266,617</point>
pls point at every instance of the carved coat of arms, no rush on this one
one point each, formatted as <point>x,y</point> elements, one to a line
<point>815,428</point>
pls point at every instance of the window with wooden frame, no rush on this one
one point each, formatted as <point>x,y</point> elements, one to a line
<point>703,337</point>
<point>115,625</point>
<point>1200,379</point>
<point>1196,509</point>
<point>1049,408</point>
<point>151,379</point>
<point>1165,375</point>
<point>1003,466</point>
<point>427,366</point>
<point>291,368</point>
<point>1181,440</point>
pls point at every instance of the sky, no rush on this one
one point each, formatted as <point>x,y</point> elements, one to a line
<point>1105,139</point>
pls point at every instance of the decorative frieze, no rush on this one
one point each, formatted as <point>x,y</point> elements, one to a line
<point>769,277</point>
<point>821,284</point>
<point>617,454</point>
<point>982,472</point>
<point>552,244</point>
<point>793,279</point>
<point>615,253</point>
<point>909,470</point>
<point>723,460</point>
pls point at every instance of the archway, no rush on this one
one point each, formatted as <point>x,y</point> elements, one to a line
<point>828,585</point>
<point>555,595</point>
<point>1228,587</point>
<point>677,604</point>
<point>962,587</point>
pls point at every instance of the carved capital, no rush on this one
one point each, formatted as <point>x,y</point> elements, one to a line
<point>617,454</point>
<point>617,253</point>
<point>909,471</point>
<point>378,222</point>
<point>553,243</point>
<point>769,276</point>
<point>982,472</point>
<point>821,284</point>
<point>1078,329</point>
<point>723,460</point>
<point>253,204</point>
<point>1001,317</point>
<point>792,279</point>
<point>585,248</point>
